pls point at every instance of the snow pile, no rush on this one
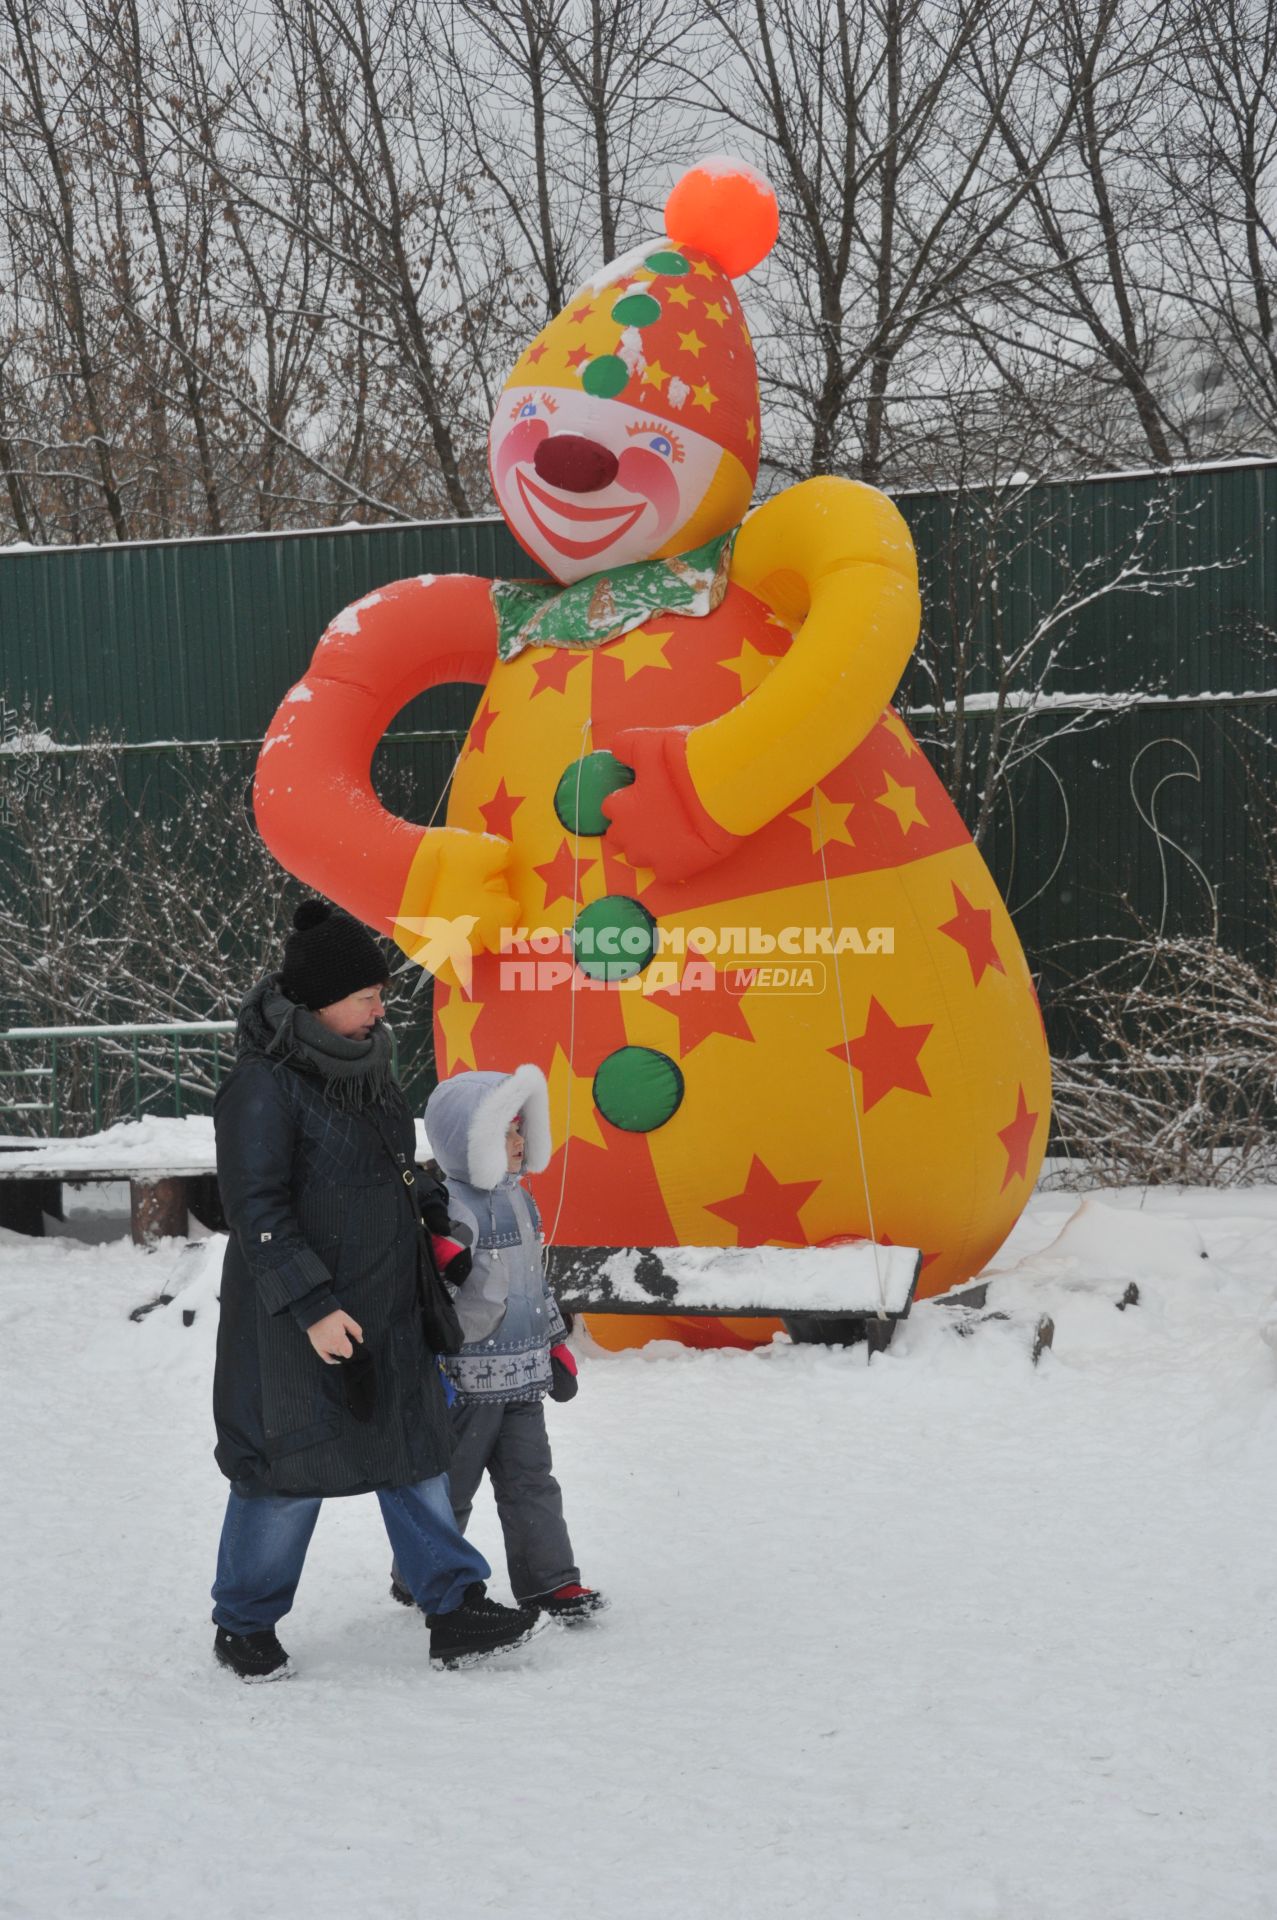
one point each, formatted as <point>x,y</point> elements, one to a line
<point>941,1637</point>
<point>855,1277</point>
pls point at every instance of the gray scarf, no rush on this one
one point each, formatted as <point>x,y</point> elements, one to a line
<point>356,1073</point>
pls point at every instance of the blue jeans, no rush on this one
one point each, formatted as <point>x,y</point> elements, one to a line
<point>264,1542</point>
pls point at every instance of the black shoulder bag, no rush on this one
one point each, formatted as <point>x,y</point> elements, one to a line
<point>438,1315</point>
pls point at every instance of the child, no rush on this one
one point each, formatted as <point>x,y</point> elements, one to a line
<point>484,1129</point>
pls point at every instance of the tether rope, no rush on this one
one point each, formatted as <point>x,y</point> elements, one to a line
<point>586,728</point>
<point>851,1072</point>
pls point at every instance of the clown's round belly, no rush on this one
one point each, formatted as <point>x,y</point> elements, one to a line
<point>833,1031</point>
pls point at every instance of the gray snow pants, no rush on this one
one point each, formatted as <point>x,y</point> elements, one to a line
<point>508,1440</point>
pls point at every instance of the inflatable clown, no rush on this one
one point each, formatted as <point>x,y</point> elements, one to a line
<point>694,866</point>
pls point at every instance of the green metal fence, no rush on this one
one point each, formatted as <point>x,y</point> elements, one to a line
<point>1157,815</point>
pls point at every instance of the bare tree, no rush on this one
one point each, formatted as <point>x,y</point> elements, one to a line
<point>878,121</point>
<point>1221,163</point>
<point>1100,204</point>
<point>44,132</point>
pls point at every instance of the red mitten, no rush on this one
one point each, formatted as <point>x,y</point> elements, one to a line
<point>452,1259</point>
<point>563,1380</point>
<point>658,821</point>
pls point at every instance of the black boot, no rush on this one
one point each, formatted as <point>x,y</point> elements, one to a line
<point>400,1593</point>
<point>476,1628</point>
<point>253,1656</point>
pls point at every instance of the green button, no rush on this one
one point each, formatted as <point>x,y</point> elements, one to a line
<point>613,938</point>
<point>579,796</point>
<point>638,1089</point>
<point>672,263</point>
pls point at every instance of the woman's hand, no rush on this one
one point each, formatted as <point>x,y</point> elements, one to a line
<point>331,1337</point>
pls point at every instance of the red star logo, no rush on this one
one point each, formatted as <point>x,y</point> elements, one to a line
<point>1017,1138</point>
<point>971,928</point>
<point>578,356</point>
<point>498,813</point>
<point>536,353</point>
<point>561,876</point>
<point>702,1011</point>
<point>478,736</point>
<point>580,315</point>
<point>767,1208</point>
<point>552,673</point>
<point>887,1056</point>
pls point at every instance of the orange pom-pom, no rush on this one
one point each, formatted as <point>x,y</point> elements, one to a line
<point>725,209</point>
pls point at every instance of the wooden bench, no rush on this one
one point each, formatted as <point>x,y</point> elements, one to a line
<point>170,1166</point>
<point>163,1191</point>
<point>837,1295</point>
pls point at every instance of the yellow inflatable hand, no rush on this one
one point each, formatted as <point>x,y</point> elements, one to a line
<point>457,902</point>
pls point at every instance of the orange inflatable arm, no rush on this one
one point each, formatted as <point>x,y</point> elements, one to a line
<point>313,794</point>
<point>835,560</point>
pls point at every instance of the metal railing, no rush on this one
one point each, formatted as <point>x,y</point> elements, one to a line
<point>49,1075</point>
<point>134,1069</point>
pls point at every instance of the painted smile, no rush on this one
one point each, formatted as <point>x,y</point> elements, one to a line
<point>618,520</point>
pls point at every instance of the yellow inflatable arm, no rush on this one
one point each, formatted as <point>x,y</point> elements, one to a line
<point>834,560</point>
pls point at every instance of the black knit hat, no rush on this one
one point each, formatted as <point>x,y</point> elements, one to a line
<point>328,955</point>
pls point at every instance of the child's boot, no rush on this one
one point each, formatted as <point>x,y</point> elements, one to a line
<point>571,1604</point>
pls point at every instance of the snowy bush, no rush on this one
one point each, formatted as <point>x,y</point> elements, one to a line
<point>130,896</point>
<point>1180,1084</point>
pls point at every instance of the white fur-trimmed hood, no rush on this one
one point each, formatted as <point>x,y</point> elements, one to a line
<point>466,1119</point>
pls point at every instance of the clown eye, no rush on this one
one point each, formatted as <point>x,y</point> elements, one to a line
<point>666,444</point>
<point>527,411</point>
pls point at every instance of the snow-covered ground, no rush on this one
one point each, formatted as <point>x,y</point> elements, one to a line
<point>944,1637</point>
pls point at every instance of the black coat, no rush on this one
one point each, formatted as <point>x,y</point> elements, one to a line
<point>319,1218</point>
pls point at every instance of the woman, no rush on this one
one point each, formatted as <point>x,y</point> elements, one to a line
<point>324,1384</point>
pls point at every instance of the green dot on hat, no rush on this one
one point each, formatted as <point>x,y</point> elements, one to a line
<point>638,1089</point>
<point>637,310</point>
<point>605,377</point>
<point>671,263</point>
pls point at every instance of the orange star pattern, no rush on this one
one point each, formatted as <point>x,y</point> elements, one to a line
<point>766,1208</point>
<point>1017,1139</point>
<point>701,1011</point>
<point>478,735</point>
<point>552,674</point>
<point>498,813</point>
<point>971,927</point>
<point>561,876</point>
<point>887,1056</point>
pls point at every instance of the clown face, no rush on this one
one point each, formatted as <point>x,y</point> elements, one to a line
<point>628,429</point>
<point>587,484</point>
